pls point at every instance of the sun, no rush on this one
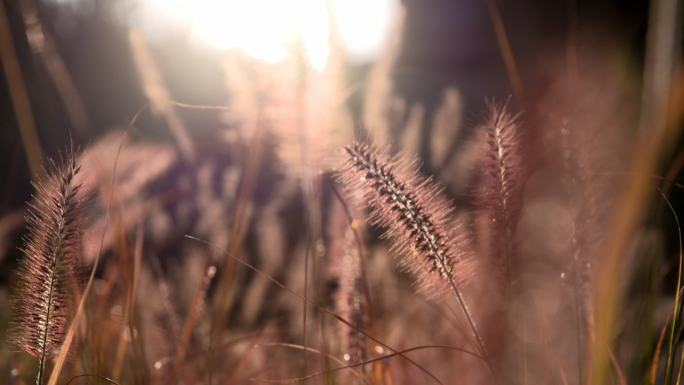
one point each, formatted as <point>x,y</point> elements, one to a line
<point>267,29</point>
<point>264,29</point>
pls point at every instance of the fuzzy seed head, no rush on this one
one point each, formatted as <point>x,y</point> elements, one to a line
<point>498,195</point>
<point>47,273</point>
<point>415,215</point>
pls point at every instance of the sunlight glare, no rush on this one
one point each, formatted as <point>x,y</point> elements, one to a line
<point>261,28</point>
<point>264,29</point>
<point>364,26</point>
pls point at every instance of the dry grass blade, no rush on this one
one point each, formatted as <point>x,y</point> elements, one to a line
<point>506,52</point>
<point>659,345</point>
<point>158,95</point>
<point>621,380</point>
<point>672,341</point>
<point>383,358</point>
<point>79,313</point>
<point>131,301</point>
<point>196,308</point>
<point>326,311</point>
<point>330,356</point>
<point>230,379</point>
<point>44,47</point>
<point>48,269</point>
<point>246,187</point>
<point>94,376</point>
<point>19,95</point>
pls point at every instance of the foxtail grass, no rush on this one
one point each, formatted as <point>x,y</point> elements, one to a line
<point>416,218</point>
<point>47,272</point>
<point>498,197</point>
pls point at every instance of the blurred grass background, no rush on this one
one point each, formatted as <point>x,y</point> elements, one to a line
<point>246,178</point>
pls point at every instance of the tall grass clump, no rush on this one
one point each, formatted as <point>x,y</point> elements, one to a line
<point>48,271</point>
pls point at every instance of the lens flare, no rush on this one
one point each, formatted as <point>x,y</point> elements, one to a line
<point>261,28</point>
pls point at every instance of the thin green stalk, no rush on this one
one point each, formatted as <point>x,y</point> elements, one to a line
<point>671,347</point>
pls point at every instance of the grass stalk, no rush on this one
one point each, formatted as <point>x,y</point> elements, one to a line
<point>48,269</point>
<point>410,208</point>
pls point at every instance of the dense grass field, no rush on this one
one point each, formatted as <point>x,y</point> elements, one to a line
<point>496,203</point>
